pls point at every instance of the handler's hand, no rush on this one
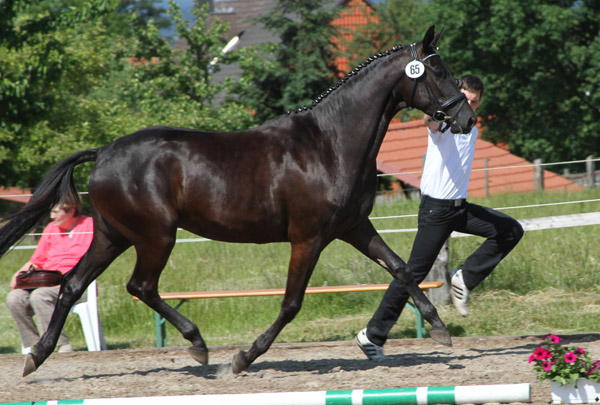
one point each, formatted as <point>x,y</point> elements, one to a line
<point>431,124</point>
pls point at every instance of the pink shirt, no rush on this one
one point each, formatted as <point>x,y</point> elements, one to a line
<point>59,251</point>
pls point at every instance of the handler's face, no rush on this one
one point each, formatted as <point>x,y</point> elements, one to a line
<point>473,98</point>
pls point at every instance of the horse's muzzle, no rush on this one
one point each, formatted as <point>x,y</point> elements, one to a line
<point>456,128</point>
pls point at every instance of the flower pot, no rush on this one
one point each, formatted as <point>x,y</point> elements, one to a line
<point>587,392</point>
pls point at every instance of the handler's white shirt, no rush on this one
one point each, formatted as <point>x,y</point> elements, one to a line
<point>448,164</point>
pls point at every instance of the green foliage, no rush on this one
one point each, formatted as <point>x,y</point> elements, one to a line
<point>539,61</point>
<point>288,74</point>
<point>68,83</point>
<point>170,86</point>
<point>144,12</point>
<point>51,56</point>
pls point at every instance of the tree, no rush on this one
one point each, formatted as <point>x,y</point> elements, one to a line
<point>130,13</point>
<point>284,75</point>
<point>68,83</point>
<point>539,61</point>
<point>43,60</point>
<point>174,87</point>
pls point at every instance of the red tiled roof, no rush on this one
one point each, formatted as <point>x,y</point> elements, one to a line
<point>405,145</point>
<point>15,194</point>
<point>357,13</point>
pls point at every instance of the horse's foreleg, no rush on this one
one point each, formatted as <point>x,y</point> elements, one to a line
<point>151,259</point>
<point>366,239</point>
<point>91,265</point>
<point>302,262</point>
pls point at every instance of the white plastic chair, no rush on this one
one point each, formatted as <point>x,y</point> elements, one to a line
<point>90,323</point>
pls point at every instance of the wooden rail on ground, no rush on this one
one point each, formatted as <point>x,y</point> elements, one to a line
<point>161,337</point>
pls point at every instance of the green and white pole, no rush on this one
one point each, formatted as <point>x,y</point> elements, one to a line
<point>470,394</point>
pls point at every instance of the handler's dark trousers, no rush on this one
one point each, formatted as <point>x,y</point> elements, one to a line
<point>437,220</point>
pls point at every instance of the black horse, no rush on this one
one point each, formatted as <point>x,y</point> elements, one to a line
<point>306,178</point>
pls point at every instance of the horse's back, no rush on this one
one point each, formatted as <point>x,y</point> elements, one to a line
<point>234,186</point>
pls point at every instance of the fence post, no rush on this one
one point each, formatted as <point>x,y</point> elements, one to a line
<point>590,169</point>
<point>538,175</point>
<point>439,272</point>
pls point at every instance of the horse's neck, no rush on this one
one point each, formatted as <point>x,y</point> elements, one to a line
<point>361,113</point>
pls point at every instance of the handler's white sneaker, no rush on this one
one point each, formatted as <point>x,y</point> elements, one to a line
<point>371,350</point>
<point>459,292</point>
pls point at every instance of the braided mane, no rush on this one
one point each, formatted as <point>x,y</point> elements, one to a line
<point>347,77</point>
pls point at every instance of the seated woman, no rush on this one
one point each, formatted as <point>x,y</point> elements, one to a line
<point>64,241</point>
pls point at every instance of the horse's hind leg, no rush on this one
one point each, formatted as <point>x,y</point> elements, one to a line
<point>100,254</point>
<point>302,262</point>
<point>151,259</point>
<point>366,239</point>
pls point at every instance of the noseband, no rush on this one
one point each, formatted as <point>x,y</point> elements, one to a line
<point>440,114</point>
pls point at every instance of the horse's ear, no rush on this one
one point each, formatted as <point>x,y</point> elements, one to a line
<point>430,40</point>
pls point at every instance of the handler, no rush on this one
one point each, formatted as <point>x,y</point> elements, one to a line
<point>64,241</point>
<point>444,209</point>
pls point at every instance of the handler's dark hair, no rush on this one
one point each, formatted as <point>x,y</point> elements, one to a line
<point>472,83</point>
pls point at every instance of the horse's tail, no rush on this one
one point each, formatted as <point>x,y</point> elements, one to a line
<point>56,186</point>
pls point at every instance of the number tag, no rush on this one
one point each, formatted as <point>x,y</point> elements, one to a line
<point>415,69</point>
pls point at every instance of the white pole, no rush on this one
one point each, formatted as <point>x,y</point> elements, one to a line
<point>503,393</point>
<point>472,394</point>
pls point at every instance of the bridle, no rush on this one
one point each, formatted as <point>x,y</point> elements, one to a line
<point>440,114</point>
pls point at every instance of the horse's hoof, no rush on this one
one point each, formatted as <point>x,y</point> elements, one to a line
<point>239,362</point>
<point>30,366</point>
<point>441,336</point>
<point>199,354</point>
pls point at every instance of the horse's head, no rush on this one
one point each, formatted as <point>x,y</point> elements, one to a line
<point>434,90</point>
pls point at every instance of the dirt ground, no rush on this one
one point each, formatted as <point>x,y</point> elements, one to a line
<point>285,367</point>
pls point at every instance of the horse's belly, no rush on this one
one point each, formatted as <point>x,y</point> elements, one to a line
<point>241,231</point>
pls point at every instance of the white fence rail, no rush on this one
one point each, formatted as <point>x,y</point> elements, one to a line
<point>534,224</point>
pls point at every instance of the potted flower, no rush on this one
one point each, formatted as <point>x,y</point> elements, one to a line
<point>574,377</point>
